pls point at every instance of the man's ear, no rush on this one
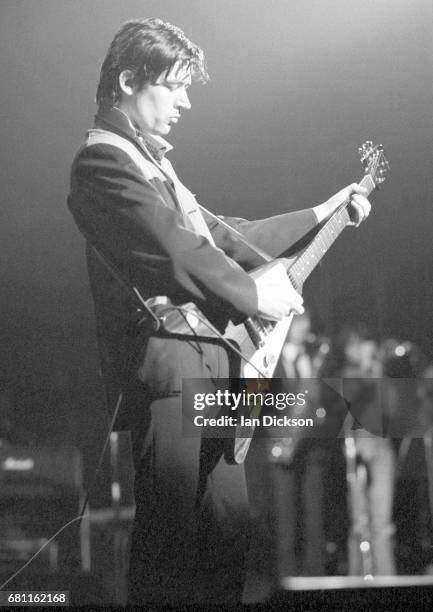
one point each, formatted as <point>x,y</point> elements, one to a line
<point>126,82</point>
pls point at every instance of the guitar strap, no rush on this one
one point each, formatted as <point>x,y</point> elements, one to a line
<point>150,168</point>
<point>191,209</point>
<point>186,199</point>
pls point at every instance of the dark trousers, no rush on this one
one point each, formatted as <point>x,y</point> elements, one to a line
<point>300,503</point>
<point>191,527</point>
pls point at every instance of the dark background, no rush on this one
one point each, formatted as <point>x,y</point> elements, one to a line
<point>296,86</point>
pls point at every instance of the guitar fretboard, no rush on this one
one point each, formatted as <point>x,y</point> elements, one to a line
<point>333,227</point>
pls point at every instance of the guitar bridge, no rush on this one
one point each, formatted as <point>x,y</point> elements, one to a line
<point>258,329</point>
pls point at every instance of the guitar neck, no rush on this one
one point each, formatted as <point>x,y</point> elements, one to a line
<point>310,257</point>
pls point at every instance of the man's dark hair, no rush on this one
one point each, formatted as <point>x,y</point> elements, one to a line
<point>148,48</point>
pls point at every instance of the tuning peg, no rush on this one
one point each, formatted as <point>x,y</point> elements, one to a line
<point>366,149</point>
<point>363,151</point>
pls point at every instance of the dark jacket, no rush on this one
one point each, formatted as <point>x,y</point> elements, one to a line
<point>137,223</point>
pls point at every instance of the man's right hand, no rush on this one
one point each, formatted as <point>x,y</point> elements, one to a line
<point>276,296</point>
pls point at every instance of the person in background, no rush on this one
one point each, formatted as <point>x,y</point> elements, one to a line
<point>300,475</point>
<point>370,455</point>
<point>285,473</point>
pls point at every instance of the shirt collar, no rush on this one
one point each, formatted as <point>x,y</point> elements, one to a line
<point>157,146</point>
<point>119,120</point>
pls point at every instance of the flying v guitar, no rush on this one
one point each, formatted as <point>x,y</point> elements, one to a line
<point>259,342</point>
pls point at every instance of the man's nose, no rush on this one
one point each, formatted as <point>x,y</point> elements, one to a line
<point>183,100</point>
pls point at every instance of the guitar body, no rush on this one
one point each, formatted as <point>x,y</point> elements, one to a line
<point>263,360</point>
<point>260,341</point>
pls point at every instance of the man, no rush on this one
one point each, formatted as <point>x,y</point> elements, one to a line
<point>370,454</point>
<point>191,525</point>
<point>305,478</point>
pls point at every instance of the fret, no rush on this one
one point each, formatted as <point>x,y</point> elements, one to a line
<point>345,217</point>
<point>290,273</point>
<point>306,262</point>
<point>333,227</point>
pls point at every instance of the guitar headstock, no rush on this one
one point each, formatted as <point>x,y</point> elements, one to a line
<point>374,161</point>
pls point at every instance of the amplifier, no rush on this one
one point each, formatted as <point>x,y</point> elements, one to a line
<point>35,469</point>
<point>40,491</point>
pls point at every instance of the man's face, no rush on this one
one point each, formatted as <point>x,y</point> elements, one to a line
<point>155,108</point>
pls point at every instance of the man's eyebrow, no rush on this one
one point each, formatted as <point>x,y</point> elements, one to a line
<point>178,81</point>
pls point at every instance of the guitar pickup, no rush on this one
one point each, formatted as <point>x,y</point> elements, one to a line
<point>254,333</point>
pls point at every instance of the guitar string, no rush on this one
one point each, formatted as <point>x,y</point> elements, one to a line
<point>37,553</point>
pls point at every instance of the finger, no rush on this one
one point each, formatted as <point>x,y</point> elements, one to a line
<point>363,203</point>
<point>298,308</point>
<point>357,213</point>
<point>356,188</point>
